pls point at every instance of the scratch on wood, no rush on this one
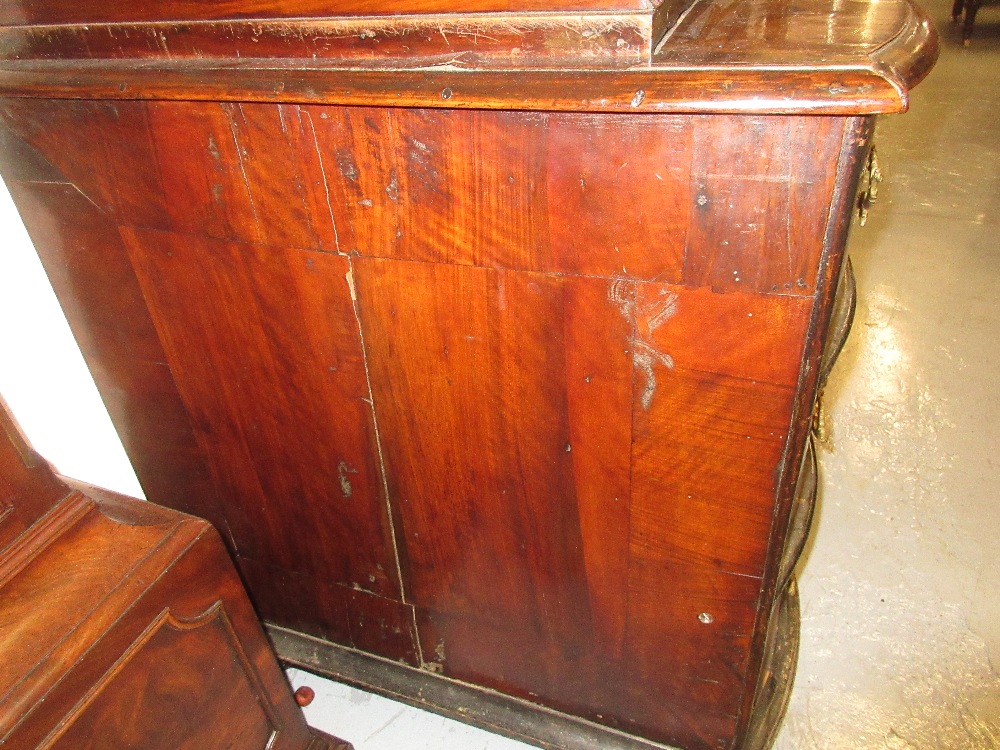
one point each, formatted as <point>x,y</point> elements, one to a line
<point>644,357</point>
<point>240,154</point>
<point>86,197</point>
<point>281,120</point>
<point>346,165</point>
<point>392,189</point>
<point>660,310</point>
<point>375,423</point>
<point>213,149</point>
<point>350,284</point>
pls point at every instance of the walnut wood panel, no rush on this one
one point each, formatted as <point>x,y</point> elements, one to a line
<point>500,189</point>
<point>256,177</point>
<point>518,397</point>
<point>88,561</point>
<point>486,448</point>
<point>138,686</point>
<point>269,364</point>
<point>466,364</point>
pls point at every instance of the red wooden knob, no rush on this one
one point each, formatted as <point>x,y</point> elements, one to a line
<point>304,695</point>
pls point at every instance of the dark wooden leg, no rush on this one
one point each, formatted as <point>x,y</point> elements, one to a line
<point>971,9</point>
<point>956,10</point>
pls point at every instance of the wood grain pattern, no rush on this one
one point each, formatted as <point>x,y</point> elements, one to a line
<point>162,675</point>
<point>518,397</point>
<point>278,397</point>
<point>491,487</point>
<point>124,624</point>
<point>745,56</point>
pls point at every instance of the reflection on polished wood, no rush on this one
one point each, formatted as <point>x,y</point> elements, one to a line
<point>744,56</point>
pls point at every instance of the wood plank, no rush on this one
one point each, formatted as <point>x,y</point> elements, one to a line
<point>255,179</point>
<point>402,185</point>
<point>506,432</point>
<point>467,375</point>
<point>89,269</point>
<point>268,360</point>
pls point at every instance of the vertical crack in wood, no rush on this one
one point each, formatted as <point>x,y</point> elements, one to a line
<point>378,435</point>
<point>243,170</point>
<point>329,204</point>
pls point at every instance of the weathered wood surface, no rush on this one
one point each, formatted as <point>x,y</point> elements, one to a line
<point>575,55</point>
<point>518,398</point>
<point>488,334</point>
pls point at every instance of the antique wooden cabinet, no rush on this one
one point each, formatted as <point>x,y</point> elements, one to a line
<point>124,625</point>
<point>488,332</point>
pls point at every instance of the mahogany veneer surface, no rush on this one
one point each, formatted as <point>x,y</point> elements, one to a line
<point>498,382</point>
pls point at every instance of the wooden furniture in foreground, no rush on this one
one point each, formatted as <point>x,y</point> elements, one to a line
<point>124,625</point>
<point>488,332</point>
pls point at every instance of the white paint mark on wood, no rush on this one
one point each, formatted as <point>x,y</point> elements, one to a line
<point>644,319</point>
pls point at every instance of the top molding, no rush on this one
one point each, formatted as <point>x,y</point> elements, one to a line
<point>849,57</point>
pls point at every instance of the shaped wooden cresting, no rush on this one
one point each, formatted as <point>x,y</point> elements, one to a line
<point>488,333</point>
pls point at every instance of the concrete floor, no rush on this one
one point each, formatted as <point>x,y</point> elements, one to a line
<point>901,583</point>
<point>901,587</point>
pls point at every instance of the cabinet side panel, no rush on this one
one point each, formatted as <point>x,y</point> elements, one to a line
<point>832,162</point>
<point>269,362</point>
<point>61,171</point>
<point>509,190</point>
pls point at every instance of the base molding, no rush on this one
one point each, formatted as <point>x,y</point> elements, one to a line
<point>521,720</point>
<point>470,704</point>
<point>323,741</point>
<point>781,657</point>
